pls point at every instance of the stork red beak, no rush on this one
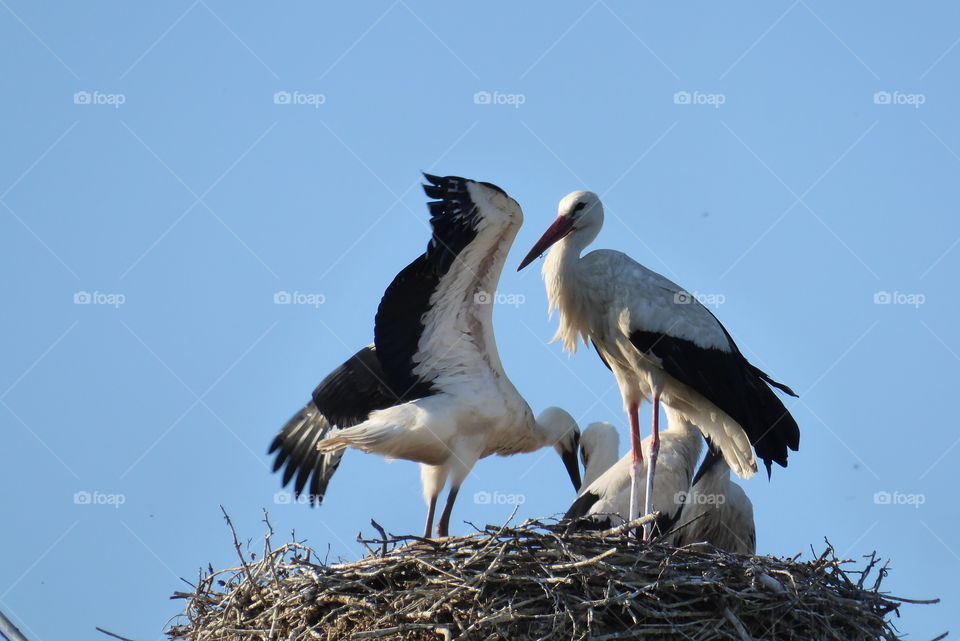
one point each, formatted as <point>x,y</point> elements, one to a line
<point>560,228</point>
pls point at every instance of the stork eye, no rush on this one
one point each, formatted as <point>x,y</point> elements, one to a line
<point>579,206</point>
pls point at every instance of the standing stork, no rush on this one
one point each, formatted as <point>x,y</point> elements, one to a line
<point>717,510</point>
<point>661,344</point>
<point>432,388</point>
<point>609,496</point>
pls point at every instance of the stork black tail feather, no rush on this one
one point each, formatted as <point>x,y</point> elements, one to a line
<point>296,452</point>
<point>766,378</point>
<point>776,429</point>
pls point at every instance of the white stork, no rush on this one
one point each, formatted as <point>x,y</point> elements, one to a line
<point>431,389</point>
<point>609,496</point>
<point>599,450</point>
<point>661,344</point>
<point>717,511</point>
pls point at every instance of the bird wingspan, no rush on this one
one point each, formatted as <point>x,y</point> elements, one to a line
<point>399,321</point>
<point>296,449</point>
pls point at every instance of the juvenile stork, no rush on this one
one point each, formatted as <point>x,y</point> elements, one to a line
<point>609,496</point>
<point>432,388</point>
<point>661,344</point>
<point>717,511</point>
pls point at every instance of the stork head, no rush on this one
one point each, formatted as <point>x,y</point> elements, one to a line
<point>580,216</point>
<point>561,430</point>
<point>596,439</point>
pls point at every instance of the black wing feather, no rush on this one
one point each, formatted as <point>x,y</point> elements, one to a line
<point>712,458</point>
<point>399,321</point>
<point>600,354</point>
<point>399,326</point>
<point>296,448</point>
<point>349,393</point>
<point>344,398</point>
<point>581,506</point>
<point>727,380</point>
<point>453,217</point>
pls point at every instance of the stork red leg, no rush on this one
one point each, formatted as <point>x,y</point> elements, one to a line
<point>652,464</point>
<point>636,450</point>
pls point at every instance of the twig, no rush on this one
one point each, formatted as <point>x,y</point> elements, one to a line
<point>737,625</point>
<point>405,627</point>
<point>113,634</point>
<point>590,561</point>
<point>631,525</point>
<point>383,535</point>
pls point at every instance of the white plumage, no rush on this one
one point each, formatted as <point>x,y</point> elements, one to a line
<point>599,450</point>
<point>609,494</point>
<point>661,344</point>
<point>718,511</point>
<point>435,347</point>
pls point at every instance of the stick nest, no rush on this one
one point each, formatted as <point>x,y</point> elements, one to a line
<point>535,581</point>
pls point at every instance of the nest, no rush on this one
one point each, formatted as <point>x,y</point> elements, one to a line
<point>536,581</point>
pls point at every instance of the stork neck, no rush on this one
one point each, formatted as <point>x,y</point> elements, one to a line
<point>565,292</point>
<point>562,259</point>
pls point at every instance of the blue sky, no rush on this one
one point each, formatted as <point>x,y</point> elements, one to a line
<point>795,163</point>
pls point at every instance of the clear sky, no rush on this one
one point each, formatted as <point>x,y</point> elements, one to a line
<point>169,168</point>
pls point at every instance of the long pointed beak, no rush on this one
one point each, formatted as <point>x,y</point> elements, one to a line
<point>560,228</point>
<point>573,467</point>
